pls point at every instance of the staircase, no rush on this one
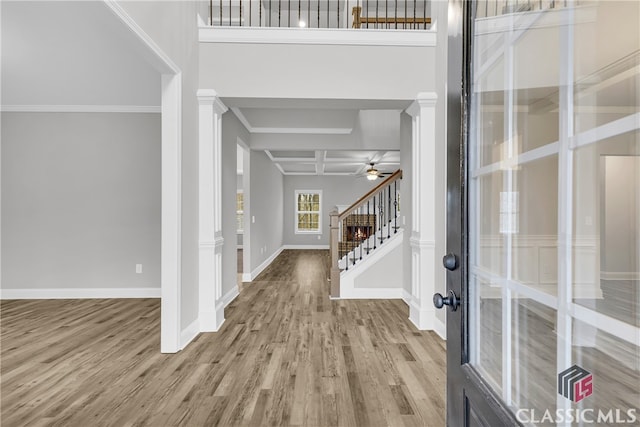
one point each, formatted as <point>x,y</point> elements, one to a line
<point>364,232</point>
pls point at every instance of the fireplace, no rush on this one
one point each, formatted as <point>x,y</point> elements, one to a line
<point>356,228</point>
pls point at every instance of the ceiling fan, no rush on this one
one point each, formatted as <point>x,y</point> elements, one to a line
<point>372,173</point>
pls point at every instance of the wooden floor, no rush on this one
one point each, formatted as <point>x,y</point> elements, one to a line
<point>287,355</point>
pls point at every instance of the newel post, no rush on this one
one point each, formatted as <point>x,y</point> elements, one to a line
<point>334,226</point>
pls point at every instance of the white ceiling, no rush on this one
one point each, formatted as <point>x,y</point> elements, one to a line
<point>46,62</point>
<point>333,162</point>
<point>309,137</point>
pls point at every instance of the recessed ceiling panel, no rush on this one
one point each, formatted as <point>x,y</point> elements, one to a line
<point>298,167</point>
<point>287,154</point>
<point>300,118</point>
<point>350,155</point>
<point>342,168</point>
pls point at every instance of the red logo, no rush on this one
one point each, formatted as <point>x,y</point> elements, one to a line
<point>575,383</point>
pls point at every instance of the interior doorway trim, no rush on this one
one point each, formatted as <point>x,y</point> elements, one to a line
<point>171,166</point>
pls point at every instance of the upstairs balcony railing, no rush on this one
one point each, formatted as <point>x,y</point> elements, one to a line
<point>374,14</point>
<point>491,8</point>
<point>363,227</point>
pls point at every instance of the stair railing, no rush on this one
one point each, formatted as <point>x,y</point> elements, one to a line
<point>363,227</point>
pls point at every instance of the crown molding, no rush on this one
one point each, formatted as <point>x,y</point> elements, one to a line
<point>81,109</point>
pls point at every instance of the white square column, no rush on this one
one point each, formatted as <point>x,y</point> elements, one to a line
<point>211,307</point>
<point>424,260</point>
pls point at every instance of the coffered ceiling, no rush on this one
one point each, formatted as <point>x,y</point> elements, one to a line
<point>324,137</point>
<point>333,162</point>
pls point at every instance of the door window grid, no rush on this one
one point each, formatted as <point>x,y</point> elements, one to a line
<point>563,302</point>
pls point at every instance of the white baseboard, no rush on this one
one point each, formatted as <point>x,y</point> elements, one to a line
<point>371,293</point>
<point>230,296</point>
<point>262,266</point>
<point>189,333</point>
<point>440,328</point>
<point>619,275</point>
<point>423,318</point>
<point>305,247</point>
<point>79,293</point>
<point>246,277</point>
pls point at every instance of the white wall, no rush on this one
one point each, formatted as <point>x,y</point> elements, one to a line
<point>317,71</point>
<point>384,273</point>
<point>81,200</point>
<point>620,222</point>
<point>231,130</point>
<point>440,12</point>
<point>406,203</point>
<point>239,187</point>
<point>336,190</point>
<point>173,27</point>
<point>266,206</point>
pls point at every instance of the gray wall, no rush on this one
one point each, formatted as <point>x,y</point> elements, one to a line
<point>231,130</point>
<point>266,206</point>
<point>80,200</point>
<point>240,186</point>
<point>336,190</point>
<point>406,201</point>
<point>172,26</point>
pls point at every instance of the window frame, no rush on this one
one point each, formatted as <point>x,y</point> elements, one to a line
<point>240,212</point>
<point>296,212</point>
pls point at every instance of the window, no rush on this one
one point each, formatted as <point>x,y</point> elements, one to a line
<point>308,211</point>
<point>240,212</point>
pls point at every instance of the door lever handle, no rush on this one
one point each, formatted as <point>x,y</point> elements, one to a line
<point>452,300</point>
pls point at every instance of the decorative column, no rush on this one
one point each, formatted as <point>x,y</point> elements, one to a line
<point>424,260</point>
<point>211,307</point>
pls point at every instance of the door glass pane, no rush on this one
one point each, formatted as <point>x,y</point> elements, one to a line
<point>614,364</point>
<point>487,335</point>
<point>606,255</point>
<point>486,217</point>
<point>533,347</point>
<point>534,247</point>
<point>606,63</point>
<point>554,208</point>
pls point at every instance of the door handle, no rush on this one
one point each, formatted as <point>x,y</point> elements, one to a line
<point>450,262</point>
<point>452,300</point>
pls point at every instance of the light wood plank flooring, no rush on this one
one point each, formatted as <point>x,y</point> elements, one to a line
<point>287,355</point>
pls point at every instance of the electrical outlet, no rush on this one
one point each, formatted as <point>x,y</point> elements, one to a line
<point>319,237</point>
<point>139,268</point>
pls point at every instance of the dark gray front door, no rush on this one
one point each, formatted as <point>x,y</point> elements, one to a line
<point>543,206</point>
